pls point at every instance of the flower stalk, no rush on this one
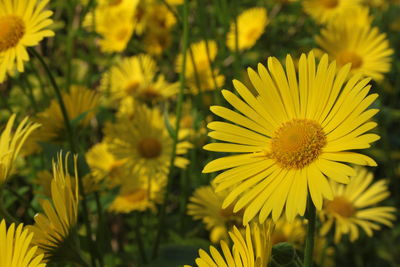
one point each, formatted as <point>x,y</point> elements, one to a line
<point>308,252</point>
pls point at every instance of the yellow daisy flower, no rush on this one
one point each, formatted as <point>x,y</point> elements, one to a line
<point>23,23</point>
<point>139,193</point>
<point>144,142</point>
<point>60,216</point>
<point>206,205</point>
<point>250,249</point>
<point>11,144</point>
<point>354,206</point>
<point>251,25</point>
<point>137,76</point>
<point>16,249</point>
<point>104,166</point>
<point>292,137</point>
<point>325,11</point>
<point>119,14</point>
<point>366,48</point>
<point>198,67</point>
<point>80,104</point>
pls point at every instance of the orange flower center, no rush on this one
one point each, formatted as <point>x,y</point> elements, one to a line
<point>350,57</point>
<point>149,148</point>
<point>137,195</point>
<point>150,94</point>
<point>330,3</point>
<point>340,206</point>
<point>12,29</point>
<point>297,143</point>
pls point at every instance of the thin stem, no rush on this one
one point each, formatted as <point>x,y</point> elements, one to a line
<point>73,146</point>
<point>308,252</point>
<point>182,79</point>
<point>139,239</point>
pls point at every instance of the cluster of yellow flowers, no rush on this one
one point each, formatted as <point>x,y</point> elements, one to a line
<point>295,130</point>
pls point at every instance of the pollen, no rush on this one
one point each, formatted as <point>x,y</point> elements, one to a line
<point>297,143</point>
<point>12,29</point>
<point>350,57</point>
<point>340,206</point>
<point>149,148</point>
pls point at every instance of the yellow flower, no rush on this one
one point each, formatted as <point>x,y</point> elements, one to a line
<point>251,25</point>
<point>104,166</point>
<point>80,104</point>
<point>325,11</point>
<point>16,249</point>
<point>175,2</point>
<point>144,143</point>
<point>60,216</point>
<point>292,137</point>
<point>364,47</point>
<point>250,249</point>
<point>206,205</point>
<point>137,76</point>
<point>11,144</point>
<point>198,67</point>
<point>114,21</point>
<point>139,193</point>
<point>23,24</point>
<point>354,206</point>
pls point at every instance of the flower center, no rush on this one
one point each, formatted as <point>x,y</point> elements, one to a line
<point>350,57</point>
<point>12,28</point>
<point>330,3</point>
<point>297,143</point>
<point>132,87</point>
<point>150,94</point>
<point>114,2</point>
<point>149,148</point>
<point>136,196</point>
<point>340,206</point>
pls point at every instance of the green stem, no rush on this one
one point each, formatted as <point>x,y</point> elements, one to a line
<point>308,252</point>
<point>73,146</point>
<point>182,79</point>
<point>139,239</point>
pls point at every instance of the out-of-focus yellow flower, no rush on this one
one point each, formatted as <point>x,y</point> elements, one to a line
<point>52,228</point>
<point>354,206</point>
<point>80,104</point>
<point>139,193</point>
<point>198,67</point>
<point>137,77</point>
<point>325,11</point>
<point>175,2</point>
<point>206,205</point>
<point>105,167</point>
<point>16,249</point>
<point>251,25</point>
<point>23,23</point>
<point>250,249</point>
<point>11,144</point>
<point>144,143</point>
<point>114,21</point>
<point>366,48</point>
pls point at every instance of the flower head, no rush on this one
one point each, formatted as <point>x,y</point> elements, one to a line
<point>293,136</point>
<point>326,11</point>
<point>206,205</point>
<point>16,249</point>
<point>366,48</point>
<point>11,145</point>
<point>251,25</point>
<point>251,248</point>
<point>354,206</point>
<point>60,216</point>
<point>23,23</point>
